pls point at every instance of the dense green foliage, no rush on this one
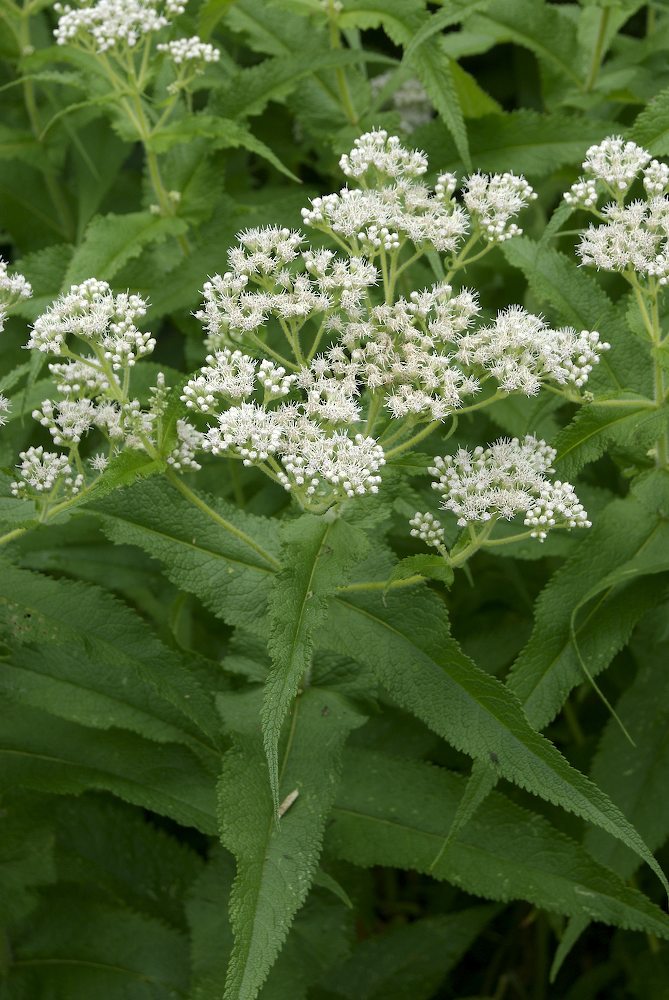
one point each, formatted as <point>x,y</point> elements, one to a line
<point>257,739</point>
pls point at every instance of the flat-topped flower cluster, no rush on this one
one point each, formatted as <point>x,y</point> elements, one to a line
<point>322,361</point>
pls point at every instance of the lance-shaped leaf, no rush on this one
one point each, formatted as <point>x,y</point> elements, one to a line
<point>634,776</point>
<point>42,752</point>
<point>317,554</point>
<point>409,960</point>
<point>607,576</point>
<point>406,641</point>
<point>78,948</point>
<point>595,428</point>
<point>392,812</point>
<point>224,556</point>
<point>276,862</point>
<point>77,652</point>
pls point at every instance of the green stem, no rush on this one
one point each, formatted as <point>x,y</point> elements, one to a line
<point>598,51</point>
<point>340,74</point>
<point>419,436</point>
<point>11,535</point>
<point>55,193</point>
<point>221,521</point>
<point>410,581</point>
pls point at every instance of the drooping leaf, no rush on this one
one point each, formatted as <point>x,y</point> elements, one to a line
<point>42,752</point>
<point>78,652</point>
<point>392,812</point>
<point>629,531</point>
<point>467,707</point>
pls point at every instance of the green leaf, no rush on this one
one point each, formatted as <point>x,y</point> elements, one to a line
<point>253,87</point>
<point>221,133</point>
<point>79,653</point>
<point>402,19</point>
<point>318,938</point>
<point>26,860</point>
<point>425,565</point>
<point>634,777</point>
<point>76,948</point>
<point>538,26</point>
<point>393,812</point>
<point>451,12</point>
<point>596,428</point>
<point>112,240</point>
<point>317,554</point>
<point>651,128</point>
<point>465,706</point>
<point>628,532</point>
<point>523,141</point>
<point>224,556</point>
<point>44,753</point>
<point>276,862</point>
<point>122,856</point>
<point>410,960</point>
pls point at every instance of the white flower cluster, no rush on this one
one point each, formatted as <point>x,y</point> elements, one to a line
<point>494,199</point>
<point>503,480</point>
<point>613,166</point>
<point>5,408</point>
<point>107,24</point>
<point>521,352</point>
<point>190,50</point>
<point>633,236</point>
<point>93,384</point>
<point>13,289</point>
<point>385,154</point>
<point>615,162</point>
<point>230,376</point>
<point>93,313</point>
<point>394,206</point>
<point>40,471</point>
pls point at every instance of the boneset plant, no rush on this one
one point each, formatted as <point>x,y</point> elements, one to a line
<point>330,359</point>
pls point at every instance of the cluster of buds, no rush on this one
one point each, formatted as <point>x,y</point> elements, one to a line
<point>13,289</point>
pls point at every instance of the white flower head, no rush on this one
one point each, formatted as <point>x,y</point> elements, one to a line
<point>110,24</point>
<point>428,528</point>
<point>189,442</point>
<point>508,478</point>
<point>522,353</point>
<point>93,313</point>
<point>616,162</point>
<point>494,199</point>
<point>13,289</point>
<point>583,193</point>
<point>5,408</point>
<point>192,51</point>
<point>385,154</point>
